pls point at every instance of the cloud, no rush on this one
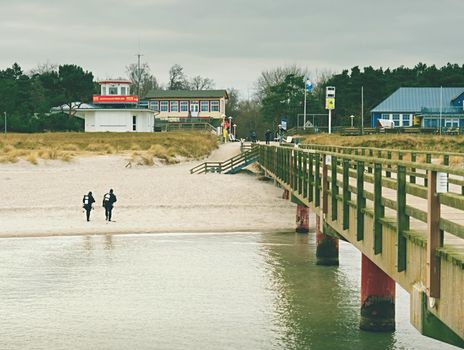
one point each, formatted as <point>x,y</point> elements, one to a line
<point>230,41</point>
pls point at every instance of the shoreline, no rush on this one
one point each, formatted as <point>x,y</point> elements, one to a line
<point>46,199</point>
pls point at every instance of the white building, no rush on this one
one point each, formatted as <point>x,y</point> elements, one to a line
<point>115,110</point>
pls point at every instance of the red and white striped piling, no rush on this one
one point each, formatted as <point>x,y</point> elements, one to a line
<point>302,218</point>
<point>377,298</point>
<point>326,247</point>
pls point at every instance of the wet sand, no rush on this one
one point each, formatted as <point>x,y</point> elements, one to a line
<point>46,199</point>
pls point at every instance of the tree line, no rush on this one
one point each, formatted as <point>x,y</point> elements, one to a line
<point>280,94</point>
<point>28,97</point>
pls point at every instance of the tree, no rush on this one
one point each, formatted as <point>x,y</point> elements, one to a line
<point>177,78</point>
<point>142,79</point>
<point>276,76</point>
<point>232,106</point>
<point>77,86</point>
<point>199,83</point>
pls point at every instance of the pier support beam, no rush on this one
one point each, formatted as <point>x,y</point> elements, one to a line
<point>377,298</point>
<point>326,247</point>
<point>302,218</point>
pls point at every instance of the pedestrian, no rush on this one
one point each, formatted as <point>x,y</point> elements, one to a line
<point>267,136</point>
<point>87,201</point>
<point>108,200</point>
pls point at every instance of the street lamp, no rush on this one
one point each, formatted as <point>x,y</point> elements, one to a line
<point>235,131</point>
<point>352,117</point>
<point>279,132</point>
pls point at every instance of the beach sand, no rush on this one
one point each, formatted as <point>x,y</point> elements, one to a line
<point>46,199</point>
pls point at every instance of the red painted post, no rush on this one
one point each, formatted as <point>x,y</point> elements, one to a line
<point>377,298</point>
<point>326,247</point>
<point>285,195</point>
<point>302,218</point>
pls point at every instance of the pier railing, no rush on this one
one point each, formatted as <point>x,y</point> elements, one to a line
<point>334,179</point>
<point>229,166</point>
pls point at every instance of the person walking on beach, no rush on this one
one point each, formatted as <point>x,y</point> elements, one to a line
<point>87,202</point>
<point>108,200</point>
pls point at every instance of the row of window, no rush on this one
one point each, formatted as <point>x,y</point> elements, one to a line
<point>446,122</point>
<point>185,106</point>
<point>114,91</point>
<point>399,119</point>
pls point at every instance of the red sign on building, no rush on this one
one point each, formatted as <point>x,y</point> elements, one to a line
<point>115,99</point>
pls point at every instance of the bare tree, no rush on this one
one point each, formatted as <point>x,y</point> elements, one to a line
<point>42,68</point>
<point>199,83</point>
<point>142,79</point>
<point>177,78</point>
<point>274,77</point>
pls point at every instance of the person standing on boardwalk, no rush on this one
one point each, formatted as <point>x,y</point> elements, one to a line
<point>108,200</point>
<point>87,202</point>
<point>267,136</point>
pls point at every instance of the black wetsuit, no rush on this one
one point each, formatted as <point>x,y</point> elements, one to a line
<point>88,200</point>
<point>108,200</point>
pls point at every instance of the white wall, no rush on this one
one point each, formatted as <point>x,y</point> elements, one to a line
<point>118,121</point>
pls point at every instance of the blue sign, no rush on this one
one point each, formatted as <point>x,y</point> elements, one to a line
<point>309,86</point>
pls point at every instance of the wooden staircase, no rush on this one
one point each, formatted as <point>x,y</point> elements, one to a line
<point>229,166</point>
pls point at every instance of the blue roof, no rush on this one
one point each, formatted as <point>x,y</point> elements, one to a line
<point>414,99</point>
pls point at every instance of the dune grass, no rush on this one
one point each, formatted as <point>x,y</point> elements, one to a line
<point>449,143</point>
<point>143,148</point>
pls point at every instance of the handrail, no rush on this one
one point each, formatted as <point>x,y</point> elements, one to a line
<point>227,165</point>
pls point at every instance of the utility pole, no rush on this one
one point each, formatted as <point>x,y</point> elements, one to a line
<point>139,77</point>
<point>362,110</point>
<point>441,104</point>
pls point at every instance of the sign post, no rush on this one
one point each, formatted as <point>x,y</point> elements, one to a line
<point>330,103</point>
<point>308,88</point>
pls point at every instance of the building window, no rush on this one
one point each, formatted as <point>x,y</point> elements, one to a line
<point>194,106</point>
<point>123,90</point>
<point>396,119</point>
<point>134,123</point>
<point>103,90</point>
<point>214,106</point>
<point>154,105</point>
<point>113,91</point>
<point>184,106</point>
<point>385,116</point>
<point>451,123</point>
<point>164,106</point>
<point>143,104</point>
<point>174,106</point>
<point>406,120</point>
<point>205,106</point>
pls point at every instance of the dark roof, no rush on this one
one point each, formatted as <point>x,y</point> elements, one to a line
<point>414,99</point>
<point>186,94</point>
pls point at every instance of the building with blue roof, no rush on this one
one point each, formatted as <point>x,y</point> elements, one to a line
<point>422,107</point>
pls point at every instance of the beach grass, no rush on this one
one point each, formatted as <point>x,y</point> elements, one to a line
<point>449,143</point>
<point>143,148</point>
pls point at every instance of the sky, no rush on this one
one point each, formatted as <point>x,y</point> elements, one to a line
<point>231,41</point>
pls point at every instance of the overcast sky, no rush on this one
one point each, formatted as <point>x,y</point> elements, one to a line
<point>230,41</point>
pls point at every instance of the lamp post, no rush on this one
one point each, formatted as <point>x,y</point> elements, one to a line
<point>352,117</point>
<point>279,133</point>
<point>235,131</point>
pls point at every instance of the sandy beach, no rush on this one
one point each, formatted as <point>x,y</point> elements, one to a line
<point>46,199</point>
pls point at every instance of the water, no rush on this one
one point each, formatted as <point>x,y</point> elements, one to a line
<point>186,291</point>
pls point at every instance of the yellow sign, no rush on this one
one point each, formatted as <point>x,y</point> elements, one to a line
<point>416,121</point>
<point>330,103</point>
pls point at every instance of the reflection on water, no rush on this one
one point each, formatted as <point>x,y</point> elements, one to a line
<point>186,291</point>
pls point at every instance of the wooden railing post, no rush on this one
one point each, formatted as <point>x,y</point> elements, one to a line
<point>402,223</point>
<point>412,178</point>
<point>388,172</point>
<point>346,194</point>
<point>361,201</point>
<point>317,180</point>
<point>334,188</point>
<point>311,179</point>
<point>434,236</point>
<point>379,210</point>
<point>325,185</point>
<point>428,159</point>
